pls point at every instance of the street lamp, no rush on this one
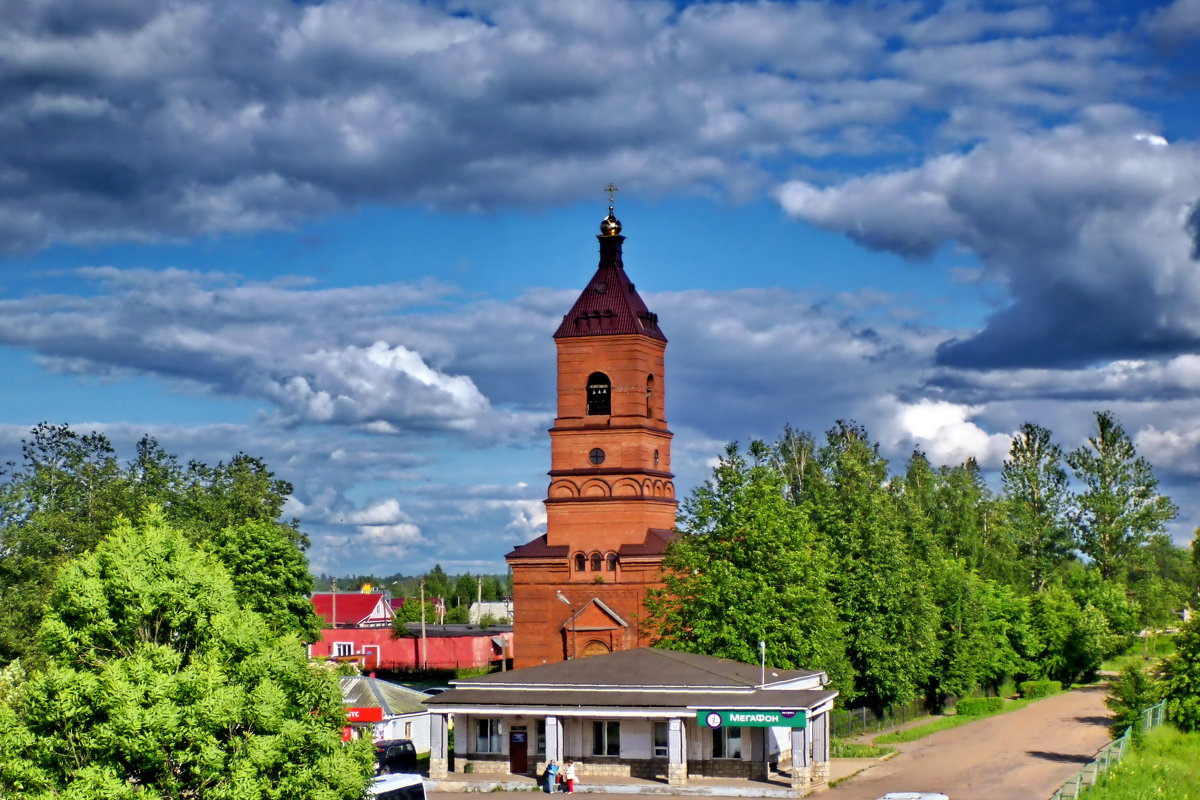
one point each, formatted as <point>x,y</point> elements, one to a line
<point>563,599</point>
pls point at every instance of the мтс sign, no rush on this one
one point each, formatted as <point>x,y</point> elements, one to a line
<point>752,718</point>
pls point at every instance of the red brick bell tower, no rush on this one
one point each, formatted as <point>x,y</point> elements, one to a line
<point>579,589</point>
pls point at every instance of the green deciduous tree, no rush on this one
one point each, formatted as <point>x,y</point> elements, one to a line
<point>749,567</point>
<point>1131,693</point>
<point>159,685</point>
<point>70,491</point>
<point>1036,502</point>
<point>1182,678</point>
<point>1119,507</point>
<point>1067,642</point>
<point>881,586</point>
<point>978,634</point>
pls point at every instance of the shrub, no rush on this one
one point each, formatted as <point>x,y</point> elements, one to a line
<point>1130,694</point>
<point>978,706</point>
<point>1031,690</point>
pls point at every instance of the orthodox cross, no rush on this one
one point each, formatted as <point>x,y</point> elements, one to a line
<point>612,187</point>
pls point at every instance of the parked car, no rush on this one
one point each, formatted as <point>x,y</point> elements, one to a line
<point>395,755</point>
<point>914,796</point>
<point>435,690</point>
<point>397,787</point>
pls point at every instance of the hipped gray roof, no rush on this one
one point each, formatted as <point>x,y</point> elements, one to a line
<point>395,700</point>
<point>645,677</point>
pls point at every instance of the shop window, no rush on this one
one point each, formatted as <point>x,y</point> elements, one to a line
<point>597,562</point>
<point>606,737</point>
<point>727,742</point>
<point>661,740</point>
<point>539,742</point>
<point>487,736</point>
<point>599,394</point>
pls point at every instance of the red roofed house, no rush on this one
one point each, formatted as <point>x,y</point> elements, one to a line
<point>579,589</point>
<point>362,633</point>
<point>353,609</point>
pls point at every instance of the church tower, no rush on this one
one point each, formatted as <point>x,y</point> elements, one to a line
<point>610,509</point>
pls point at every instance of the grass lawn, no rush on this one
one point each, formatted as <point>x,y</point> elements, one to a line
<point>840,748</point>
<point>1152,649</point>
<point>1165,766</point>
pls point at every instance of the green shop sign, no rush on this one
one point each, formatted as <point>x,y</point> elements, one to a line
<point>752,718</point>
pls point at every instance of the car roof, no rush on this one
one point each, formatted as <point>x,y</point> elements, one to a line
<point>386,783</point>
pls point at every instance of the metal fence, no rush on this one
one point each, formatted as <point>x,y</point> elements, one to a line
<point>1109,755</point>
<point>854,721</point>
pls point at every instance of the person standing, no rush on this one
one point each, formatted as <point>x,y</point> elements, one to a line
<point>570,776</point>
<point>551,776</point>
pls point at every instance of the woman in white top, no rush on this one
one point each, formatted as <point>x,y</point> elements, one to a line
<point>570,776</point>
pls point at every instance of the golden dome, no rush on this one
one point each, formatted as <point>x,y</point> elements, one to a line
<point>610,225</point>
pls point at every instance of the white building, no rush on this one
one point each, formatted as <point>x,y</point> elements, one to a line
<point>646,713</point>
<point>384,710</point>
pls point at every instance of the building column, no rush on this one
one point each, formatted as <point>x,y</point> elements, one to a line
<point>677,771</point>
<point>760,752</point>
<point>801,742</point>
<point>819,772</point>
<point>439,741</point>
<point>554,740</point>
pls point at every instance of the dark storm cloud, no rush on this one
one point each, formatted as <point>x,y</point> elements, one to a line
<point>1085,226</point>
<point>149,120</point>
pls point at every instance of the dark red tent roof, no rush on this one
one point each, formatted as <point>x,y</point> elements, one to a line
<point>609,305</point>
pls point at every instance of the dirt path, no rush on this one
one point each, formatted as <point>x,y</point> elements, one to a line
<point>1023,755</point>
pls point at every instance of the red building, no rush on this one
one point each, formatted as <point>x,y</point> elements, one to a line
<point>362,633</point>
<point>353,609</point>
<point>579,589</point>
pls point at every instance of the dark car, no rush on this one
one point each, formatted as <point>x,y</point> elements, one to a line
<point>395,755</point>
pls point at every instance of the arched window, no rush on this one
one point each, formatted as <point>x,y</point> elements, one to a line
<point>649,395</point>
<point>597,562</point>
<point>580,562</point>
<point>599,395</point>
<point>612,562</point>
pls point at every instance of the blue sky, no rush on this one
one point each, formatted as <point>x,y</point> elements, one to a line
<point>340,235</point>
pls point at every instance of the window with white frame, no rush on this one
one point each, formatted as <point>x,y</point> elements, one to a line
<point>606,737</point>
<point>343,648</point>
<point>661,739</point>
<point>487,736</point>
<point>727,742</point>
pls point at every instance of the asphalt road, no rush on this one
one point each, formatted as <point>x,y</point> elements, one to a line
<point>1022,755</point>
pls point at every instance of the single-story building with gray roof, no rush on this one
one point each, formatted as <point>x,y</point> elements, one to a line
<point>648,713</point>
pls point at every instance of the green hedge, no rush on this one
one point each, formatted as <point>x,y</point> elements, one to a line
<point>977,706</point>
<point>1034,689</point>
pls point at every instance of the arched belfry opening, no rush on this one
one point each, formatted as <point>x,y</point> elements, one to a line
<point>599,394</point>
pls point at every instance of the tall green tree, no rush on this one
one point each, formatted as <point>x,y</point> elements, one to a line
<point>159,685</point>
<point>749,567</point>
<point>1181,674</point>
<point>1036,503</point>
<point>890,621</point>
<point>1120,506</point>
<point>69,491</point>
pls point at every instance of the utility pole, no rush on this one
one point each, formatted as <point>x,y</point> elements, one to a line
<point>424,653</point>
